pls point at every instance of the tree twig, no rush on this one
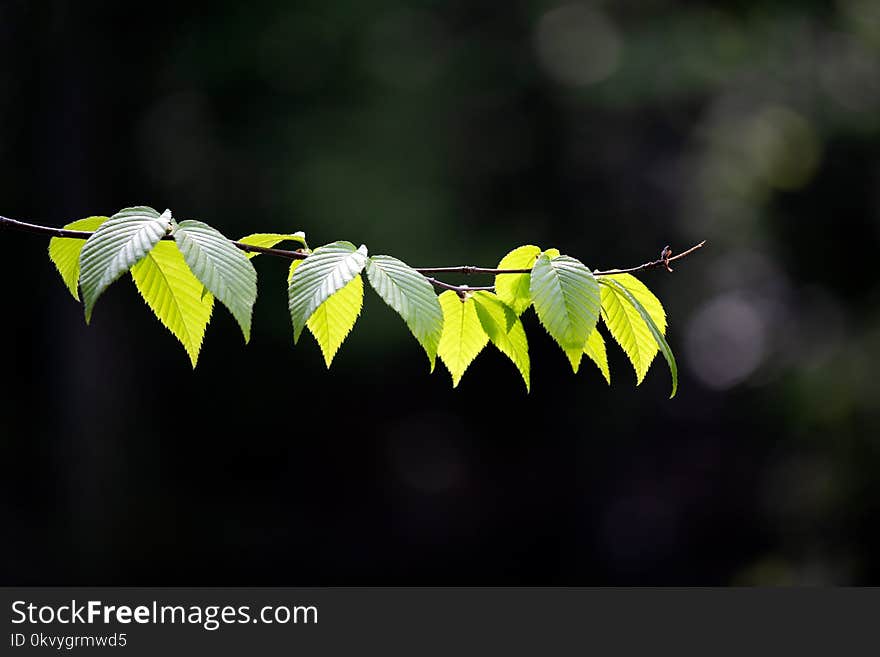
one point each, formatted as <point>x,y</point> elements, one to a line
<point>459,288</point>
<point>13,224</point>
<point>665,257</point>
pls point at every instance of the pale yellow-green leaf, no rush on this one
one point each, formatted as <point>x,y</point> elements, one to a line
<point>463,337</point>
<point>327,270</point>
<point>655,330</point>
<point>574,357</point>
<point>175,295</point>
<point>270,240</point>
<point>595,350</point>
<point>411,296</point>
<point>513,289</point>
<point>293,266</point>
<point>115,247</point>
<point>221,267</point>
<point>565,295</point>
<point>334,318</point>
<point>626,324</point>
<point>505,331</point>
<point>64,252</point>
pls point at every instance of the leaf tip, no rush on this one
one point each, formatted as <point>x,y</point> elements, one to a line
<point>574,358</point>
<point>193,352</point>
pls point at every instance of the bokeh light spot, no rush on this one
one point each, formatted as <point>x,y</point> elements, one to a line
<point>725,341</point>
<point>578,45</point>
<point>784,147</point>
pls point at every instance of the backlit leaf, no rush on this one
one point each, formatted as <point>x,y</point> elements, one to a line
<point>463,337</point>
<point>412,296</point>
<point>64,252</point>
<point>270,240</point>
<point>513,289</point>
<point>626,324</point>
<point>175,295</point>
<point>293,266</point>
<point>505,331</point>
<point>333,320</point>
<point>574,357</point>
<point>566,298</point>
<point>595,350</point>
<point>327,270</point>
<point>652,327</point>
<point>222,268</point>
<point>117,245</point>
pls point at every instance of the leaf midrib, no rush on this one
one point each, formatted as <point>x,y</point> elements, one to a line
<point>632,328</point>
<point>174,300</point>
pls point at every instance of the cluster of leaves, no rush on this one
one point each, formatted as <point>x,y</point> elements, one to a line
<point>180,268</point>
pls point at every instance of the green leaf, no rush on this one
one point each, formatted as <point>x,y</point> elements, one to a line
<point>513,289</point>
<point>463,336</point>
<point>117,245</point>
<point>221,267</point>
<point>269,240</point>
<point>574,357</point>
<point>595,350</point>
<point>64,252</point>
<point>293,266</point>
<point>505,331</point>
<point>626,324</point>
<point>566,298</point>
<point>327,270</point>
<point>175,295</point>
<point>641,292</point>
<point>652,327</point>
<point>333,320</point>
<point>412,296</point>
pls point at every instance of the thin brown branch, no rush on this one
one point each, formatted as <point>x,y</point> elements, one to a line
<point>468,270</point>
<point>13,224</point>
<point>665,257</point>
<point>664,260</point>
<point>461,289</point>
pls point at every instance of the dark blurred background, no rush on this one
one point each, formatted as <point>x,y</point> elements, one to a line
<point>448,133</point>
